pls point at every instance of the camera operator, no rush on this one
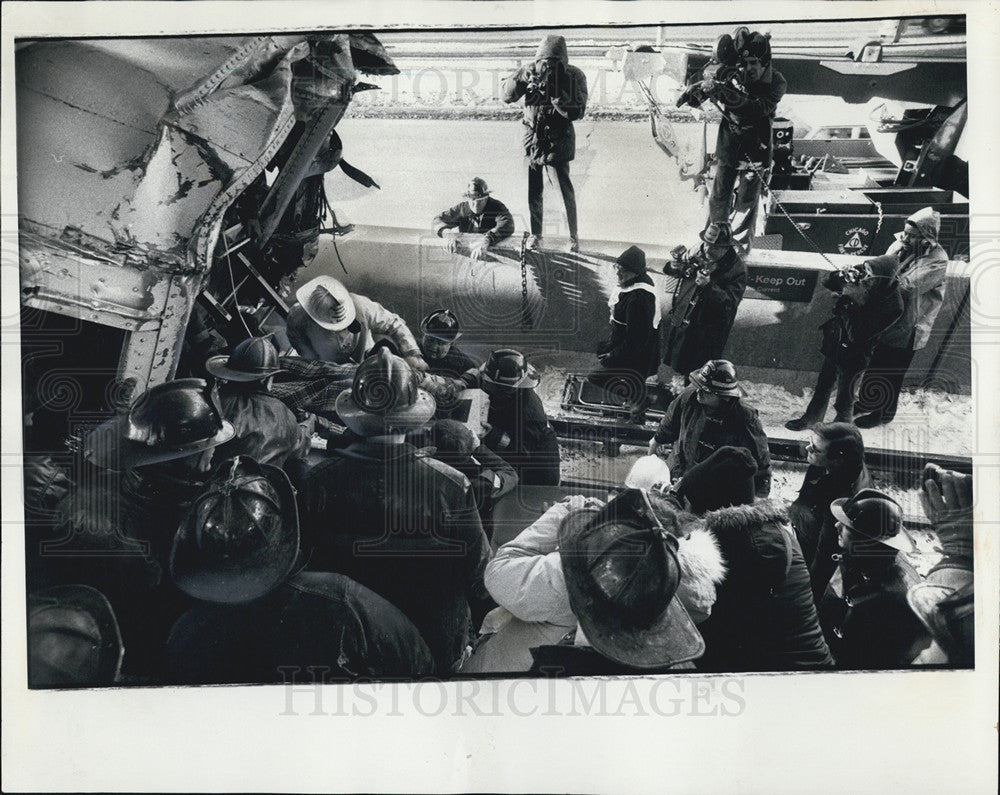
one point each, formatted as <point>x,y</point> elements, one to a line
<point>868,303</point>
<point>555,95</point>
<point>710,286</point>
<point>742,82</point>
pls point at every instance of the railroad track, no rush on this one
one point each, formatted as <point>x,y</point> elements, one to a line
<point>899,466</point>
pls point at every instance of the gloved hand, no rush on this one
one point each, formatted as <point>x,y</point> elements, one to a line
<point>577,502</point>
<point>947,500</point>
<point>702,278</point>
<point>477,250</point>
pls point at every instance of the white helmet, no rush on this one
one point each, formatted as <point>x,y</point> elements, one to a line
<point>647,472</point>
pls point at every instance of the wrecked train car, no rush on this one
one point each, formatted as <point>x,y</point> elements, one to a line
<point>167,187</point>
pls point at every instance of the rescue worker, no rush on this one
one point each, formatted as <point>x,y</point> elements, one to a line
<point>562,576</point>
<point>708,415</point>
<point>868,302</point>
<point>923,266</point>
<point>333,325</point>
<point>632,352</point>
<point>479,214</point>
<point>266,429</point>
<point>259,617</point>
<point>709,289</point>
<point>403,524</point>
<point>446,362</point>
<point>866,618</point>
<point>555,95</point>
<point>491,477</point>
<point>519,430</point>
<point>747,88</point>
<point>115,528</point>
<point>835,454</point>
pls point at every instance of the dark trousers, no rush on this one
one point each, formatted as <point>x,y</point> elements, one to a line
<point>720,201</point>
<point>843,378</point>
<point>883,381</point>
<point>536,183</point>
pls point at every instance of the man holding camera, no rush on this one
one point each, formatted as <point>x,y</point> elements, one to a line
<point>868,302</point>
<point>741,81</point>
<point>923,267</point>
<point>710,286</point>
<point>555,95</point>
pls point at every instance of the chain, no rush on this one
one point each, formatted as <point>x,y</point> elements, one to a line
<point>525,314</point>
<point>764,183</point>
<point>878,226</point>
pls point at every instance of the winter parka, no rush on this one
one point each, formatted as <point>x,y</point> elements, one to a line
<point>549,136</point>
<point>764,618</point>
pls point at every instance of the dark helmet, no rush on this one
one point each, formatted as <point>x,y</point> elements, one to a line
<point>251,360</point>
<point>385,394</point>
<point>622,573</point>
<point>874,516</point>
<point>441,324</point>
<point>168,421</point>
<point>73,638</point>
<point>478,189</point>
<point>507,367</point>
<point>718,377</point>
<point>241,537</point>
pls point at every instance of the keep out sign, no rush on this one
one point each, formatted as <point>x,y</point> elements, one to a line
<point>782,284</point>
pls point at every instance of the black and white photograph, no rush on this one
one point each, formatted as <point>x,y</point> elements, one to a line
<point>622,367</point>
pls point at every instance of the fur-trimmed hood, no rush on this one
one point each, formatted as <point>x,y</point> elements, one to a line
<point>702,569</point>
<point>756,540</point>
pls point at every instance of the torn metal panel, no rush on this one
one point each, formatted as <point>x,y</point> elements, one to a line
<point>63,277</point>
<point>131,151</point>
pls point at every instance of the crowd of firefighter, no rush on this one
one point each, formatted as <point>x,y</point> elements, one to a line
<point>203,536</point>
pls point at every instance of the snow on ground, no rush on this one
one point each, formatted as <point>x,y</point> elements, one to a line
<point>928,421</point>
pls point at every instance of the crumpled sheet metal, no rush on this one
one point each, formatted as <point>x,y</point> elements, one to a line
<point>120,175</point>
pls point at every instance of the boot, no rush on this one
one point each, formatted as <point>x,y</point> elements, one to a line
<point>801,423</point>
<point>872,420</point>
<point>574,244</point>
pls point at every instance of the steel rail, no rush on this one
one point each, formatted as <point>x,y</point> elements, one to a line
<point>904,467</point>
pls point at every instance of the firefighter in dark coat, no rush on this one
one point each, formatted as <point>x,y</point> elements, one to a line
<point>479,214</point>
<point>446,362</point>
<point>868,302</point>
<point>117,524</point>
<point>266,429</point>
<point>709,289</point>
<point>747,88</point>
<point>396,521</point>
<point>709,415</point>
<point>519,430</point>
<point>866,617</point>
<point>259,618</point>
<point>632,352</point>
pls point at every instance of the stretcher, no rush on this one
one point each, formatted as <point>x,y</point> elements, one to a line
<point>580,395</point>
